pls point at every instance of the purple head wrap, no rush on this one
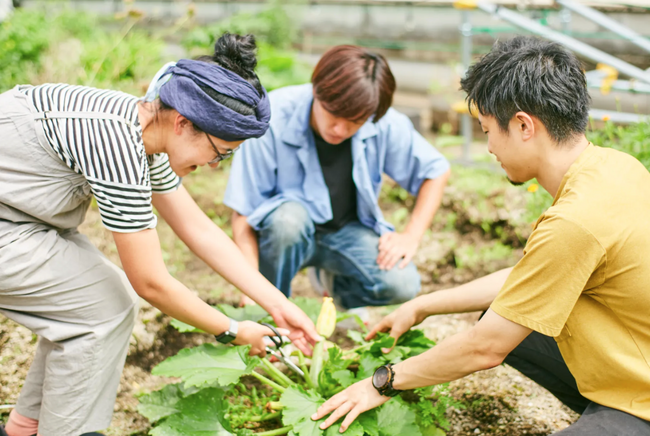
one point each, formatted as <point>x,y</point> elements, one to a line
<point>183,92</point>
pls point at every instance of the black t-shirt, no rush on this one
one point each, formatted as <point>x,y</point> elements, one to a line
<point>336,164</point>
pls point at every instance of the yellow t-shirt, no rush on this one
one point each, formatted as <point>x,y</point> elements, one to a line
<point>585,279</point>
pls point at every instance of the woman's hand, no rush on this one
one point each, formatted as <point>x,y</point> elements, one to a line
<point>352,402</point>
<point>303,332</point>
<point>398,322</point>
<point>257,336</point>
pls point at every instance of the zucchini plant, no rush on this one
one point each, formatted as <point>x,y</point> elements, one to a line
<point>224,391</point>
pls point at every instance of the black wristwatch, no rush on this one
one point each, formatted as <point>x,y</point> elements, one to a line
<point>229,335</point>
<point>383,379</point>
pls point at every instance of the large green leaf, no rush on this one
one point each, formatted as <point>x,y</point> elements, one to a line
<point>200,414</point>
<point>397,354</point>
<point>432,430</point>
<point>252,312</point>
<point>396,418</point>
<point>183,327</point>
<point>299,406</point>
<point>159,404</point>
<point>355,429</point>
<point>416,341</point>
<point>336,364</point>
<point>357,337</point>
<point>345,377</point>
<point>382,340</point>
<point>367,366</point>
<point>206,364</point>
<point>368,421</point>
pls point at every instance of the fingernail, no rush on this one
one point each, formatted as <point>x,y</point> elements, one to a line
<point>314,416</point>
<point>385,350</point>
<point>322,426</point>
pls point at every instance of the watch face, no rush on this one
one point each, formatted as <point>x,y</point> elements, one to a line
<point>380,378</point>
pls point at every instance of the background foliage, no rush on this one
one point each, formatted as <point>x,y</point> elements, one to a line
<point>73,47</point>
<point>277,65</point>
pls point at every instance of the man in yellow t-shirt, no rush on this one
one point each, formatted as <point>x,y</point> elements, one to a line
<point>574,313</point>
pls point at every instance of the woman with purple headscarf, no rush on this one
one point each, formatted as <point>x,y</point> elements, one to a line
<point>61,146</point>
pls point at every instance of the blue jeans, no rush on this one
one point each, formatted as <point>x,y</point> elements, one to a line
<point>289,241</point>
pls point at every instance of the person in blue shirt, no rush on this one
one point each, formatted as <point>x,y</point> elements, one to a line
<point>305,194</point>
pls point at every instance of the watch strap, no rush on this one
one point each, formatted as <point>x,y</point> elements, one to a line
<point>229,335</point>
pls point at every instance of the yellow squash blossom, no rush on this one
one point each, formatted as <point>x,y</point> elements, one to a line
<point>326,318</point>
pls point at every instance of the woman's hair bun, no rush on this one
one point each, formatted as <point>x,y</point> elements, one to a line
<point>237,53</point>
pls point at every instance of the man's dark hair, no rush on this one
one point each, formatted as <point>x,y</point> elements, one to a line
<point>537,77</point>
<point>354,83</point>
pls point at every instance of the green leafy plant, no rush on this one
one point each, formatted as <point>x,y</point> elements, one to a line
<point>73,47</point>
<point>272,25</point>
<point>22,40</point>
<point>274,30</point>
<point>226,392</point>
<point>633,139</point>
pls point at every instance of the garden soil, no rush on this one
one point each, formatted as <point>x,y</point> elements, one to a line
<point>499,401</point>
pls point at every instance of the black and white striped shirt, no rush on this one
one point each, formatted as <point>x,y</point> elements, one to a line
<point>96,133</point>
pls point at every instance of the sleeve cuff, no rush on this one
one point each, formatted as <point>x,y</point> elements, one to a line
<point>432,174</point>
<point>524,321</point>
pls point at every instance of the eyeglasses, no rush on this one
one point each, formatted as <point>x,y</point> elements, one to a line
<point>220,156</point>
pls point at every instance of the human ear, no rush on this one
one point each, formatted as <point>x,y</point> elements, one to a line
<point>181,123</point>
<point>525,125</point>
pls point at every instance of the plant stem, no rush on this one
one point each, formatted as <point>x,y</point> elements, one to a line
<point>317,362</point>
<point>268,382</point>
<point>357,349</point>
<point>303,366</point>
<point>265,417</point>
<point>277,375</point>
<point>334,391</point>
<point>125,32</point>
<point>276,432</point>
<point>275,405</point>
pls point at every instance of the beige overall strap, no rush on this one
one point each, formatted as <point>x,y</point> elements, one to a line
<point>85,115</point>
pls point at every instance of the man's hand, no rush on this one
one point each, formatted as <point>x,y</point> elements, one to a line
<point>352,402</point>
<point>398,322</point>
<point>395,246</point>
<point>303,331</point>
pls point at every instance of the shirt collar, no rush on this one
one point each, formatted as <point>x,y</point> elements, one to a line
<point>297,129</point>
<point>574,168</point>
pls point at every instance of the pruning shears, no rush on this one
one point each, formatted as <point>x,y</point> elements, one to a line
<point>278,352</point>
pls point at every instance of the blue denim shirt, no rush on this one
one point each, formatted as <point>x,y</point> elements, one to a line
<point>283,164</point>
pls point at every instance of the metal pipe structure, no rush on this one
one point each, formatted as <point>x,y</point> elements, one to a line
<point>466,59</point>
<point>565,19</point>
<point>618,117</point>
<point>606,22</point>
<point>599,80</point>
<point>579,47</point>
<point>620,85</point>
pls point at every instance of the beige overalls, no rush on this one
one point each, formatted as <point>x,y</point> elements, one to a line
<point>56,283</point>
